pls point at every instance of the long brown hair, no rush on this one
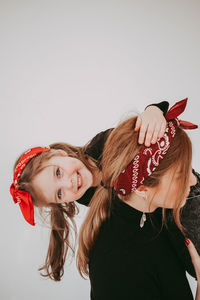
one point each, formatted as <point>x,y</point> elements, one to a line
<point>61,215</point>
<point>120,148</point>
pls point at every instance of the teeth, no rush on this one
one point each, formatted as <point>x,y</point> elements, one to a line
<point>79,180</point>
<point>74,182</point>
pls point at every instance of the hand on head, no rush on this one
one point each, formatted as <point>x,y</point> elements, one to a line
<point>151,125</point>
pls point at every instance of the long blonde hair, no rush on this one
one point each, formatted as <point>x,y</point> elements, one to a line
<point>120,148</point>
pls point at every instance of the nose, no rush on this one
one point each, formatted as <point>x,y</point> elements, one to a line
<point>193,179</point>
<point>66,182</point>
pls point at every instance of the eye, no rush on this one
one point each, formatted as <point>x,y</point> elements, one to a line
<point>59,194</point>
<point>58,173</point>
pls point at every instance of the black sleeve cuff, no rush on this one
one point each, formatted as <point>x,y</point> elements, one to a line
<point>164,105</point>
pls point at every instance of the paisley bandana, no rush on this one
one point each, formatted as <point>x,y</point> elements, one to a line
<point>22,197</point>
<point>148,158</point>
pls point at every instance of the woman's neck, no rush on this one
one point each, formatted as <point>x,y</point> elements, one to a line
<point>140,203</point>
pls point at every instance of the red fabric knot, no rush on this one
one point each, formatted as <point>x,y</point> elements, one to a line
<point>23,198</point>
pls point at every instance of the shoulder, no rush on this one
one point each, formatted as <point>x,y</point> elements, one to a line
<point>94,147</point>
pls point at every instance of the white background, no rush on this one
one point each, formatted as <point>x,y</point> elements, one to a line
<point>69,69</point>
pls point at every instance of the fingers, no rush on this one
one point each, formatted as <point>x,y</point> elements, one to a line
<point>193,252</point>
<point>146,134</point>
<point>138,123</point>
<point>162,129</point>
<point>142,133</point>
<point>150,128</point>
<point>155,135</point>
<point>150,132</point>
<point>194,256</point>
<point>158,132</point>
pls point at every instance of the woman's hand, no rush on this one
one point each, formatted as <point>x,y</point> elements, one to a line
<point>195,257</point>
<point>151,123</point>
<point>196,262</point>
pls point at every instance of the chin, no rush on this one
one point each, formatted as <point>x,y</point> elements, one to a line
<point>184,202</point>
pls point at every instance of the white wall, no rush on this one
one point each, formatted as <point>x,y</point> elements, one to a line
<point>69,69</point>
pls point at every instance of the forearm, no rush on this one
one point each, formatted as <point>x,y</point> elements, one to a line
<point>197,297</point>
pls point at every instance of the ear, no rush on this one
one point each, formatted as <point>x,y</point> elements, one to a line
<point>59,152</point>
<point>141,191</point>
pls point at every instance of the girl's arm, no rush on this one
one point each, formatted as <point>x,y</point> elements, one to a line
<point>151,124</point>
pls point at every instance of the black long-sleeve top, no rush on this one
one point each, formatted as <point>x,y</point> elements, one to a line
<point>128,262</point>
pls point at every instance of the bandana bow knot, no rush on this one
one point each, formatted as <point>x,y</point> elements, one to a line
<point>23,198</point>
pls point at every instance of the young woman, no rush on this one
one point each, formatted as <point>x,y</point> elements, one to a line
<point>124,244</point>
<point>45,180</point>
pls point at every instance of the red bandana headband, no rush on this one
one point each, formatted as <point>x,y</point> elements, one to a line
<point>22,197</point>
<point>146,161</point>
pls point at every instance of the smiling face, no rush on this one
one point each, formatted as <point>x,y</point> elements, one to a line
<point>63,179</point>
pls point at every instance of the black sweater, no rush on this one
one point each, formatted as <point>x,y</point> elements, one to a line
<point>129,262</point>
